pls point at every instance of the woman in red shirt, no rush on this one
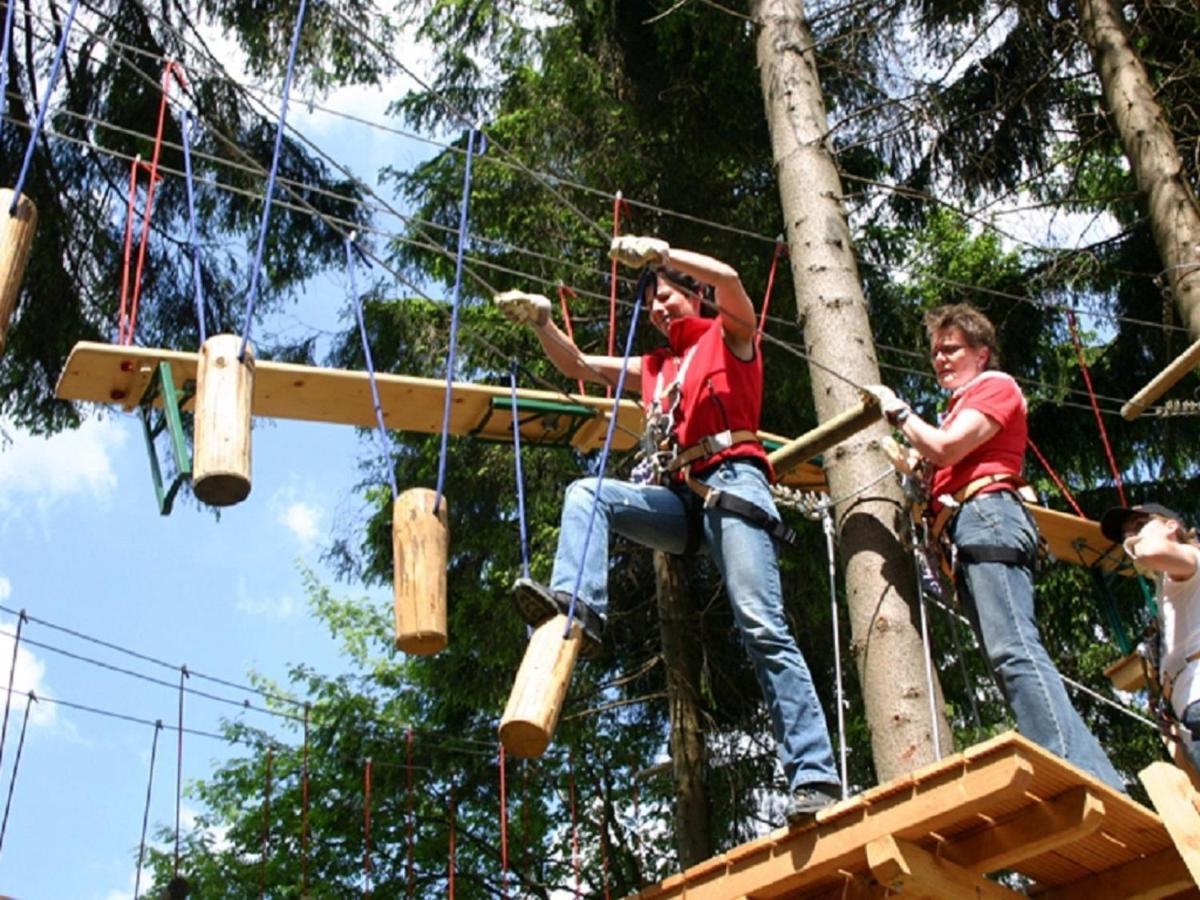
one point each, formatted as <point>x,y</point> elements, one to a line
<point>978,452</point>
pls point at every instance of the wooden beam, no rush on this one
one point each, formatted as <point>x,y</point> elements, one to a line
<point>1162,382</point>
<point>1153,877</point>
<point>827,434</point>
<point>906,869</point>
<point>1171,791</point>
<point>1040,828</point>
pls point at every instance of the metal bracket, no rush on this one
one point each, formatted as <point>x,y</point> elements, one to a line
<point>162,384</point>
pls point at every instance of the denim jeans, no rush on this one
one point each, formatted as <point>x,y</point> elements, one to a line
<point>998,598</point>
<point>657,517</point>
<point>1191,722</point>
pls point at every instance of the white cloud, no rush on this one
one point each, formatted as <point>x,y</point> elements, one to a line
<point>284,606</point>
<point>38,472</point>
<point>303,520</point>
<point>5,588</point>
<point>28,675</point>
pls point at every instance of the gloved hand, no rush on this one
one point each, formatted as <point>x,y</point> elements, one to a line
<point>905,460</point>
<point>639,251</point>
<point>893,408</point>
<point>523,308</point>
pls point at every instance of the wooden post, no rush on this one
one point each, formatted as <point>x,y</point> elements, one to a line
<point>420,549</point>
<point>224,390</point>
<point>824,436</point>
<point>541,686</point>
<point>1174,798</point>
<point>16,238</point>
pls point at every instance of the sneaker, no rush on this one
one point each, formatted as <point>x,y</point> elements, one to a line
<point>808,800</point>
<point>536,604</point>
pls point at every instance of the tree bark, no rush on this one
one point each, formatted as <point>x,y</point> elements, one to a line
<point>879,574</point>
<point>1150,148</point>
<point>677,620</point>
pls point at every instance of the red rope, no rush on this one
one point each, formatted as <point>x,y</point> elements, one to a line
<point>1062,488</point>
<point>563,290</point>
<point>451,862</point>
<point>1087,380</point>
<point>266,829</point>
<point>183,673</point>
<point>304,810</point>
<point>574,824</point>
<point>367,827</point>
<point>175,71</point>
<point>409,813</point>
<point>604,849</point>
<point>503,828</point>
<point>781,249</point>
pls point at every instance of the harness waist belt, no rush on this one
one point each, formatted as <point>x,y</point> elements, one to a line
<point>709,445</point>
<point>951,503</point>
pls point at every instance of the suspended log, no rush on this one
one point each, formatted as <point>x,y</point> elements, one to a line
<point>16,238</point>
<point>224,391</point>
<point>541,686</point>
<point>827,434</point>
<point>420,550</point>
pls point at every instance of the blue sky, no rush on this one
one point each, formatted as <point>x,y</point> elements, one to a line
<point>82,546</point>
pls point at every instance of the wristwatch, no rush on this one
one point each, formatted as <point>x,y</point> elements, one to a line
<point>897,417</point>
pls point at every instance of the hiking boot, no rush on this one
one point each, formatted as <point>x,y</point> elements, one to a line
<point>808,800</point>
<point>537,604</point>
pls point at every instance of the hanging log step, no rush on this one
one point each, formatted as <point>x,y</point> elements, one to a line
<point>531,715</point>
<point>420,549</point>
<point>221,455</point>
<point>18,221</point>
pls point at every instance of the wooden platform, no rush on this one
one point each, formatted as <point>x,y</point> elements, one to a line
<point>1004,805</point>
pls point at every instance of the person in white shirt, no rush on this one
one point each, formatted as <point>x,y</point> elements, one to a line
<point>1157,540</point>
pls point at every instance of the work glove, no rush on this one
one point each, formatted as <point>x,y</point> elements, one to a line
<point>893,408</point>
<point>523,308</point>
<point>639,251</point>
<point>904,460</point>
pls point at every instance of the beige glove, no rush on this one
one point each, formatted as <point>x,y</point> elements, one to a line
<point>523,308</point>
<point>903,459</point>
<point>893,408</point>
<point>639,251</point>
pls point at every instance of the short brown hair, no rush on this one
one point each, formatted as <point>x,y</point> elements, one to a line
<point>975,326</point>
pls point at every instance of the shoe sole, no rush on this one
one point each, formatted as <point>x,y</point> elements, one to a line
<point>536,608</point>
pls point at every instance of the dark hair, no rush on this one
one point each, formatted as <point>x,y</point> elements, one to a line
<point>706,292</point>
<point>975,326</point>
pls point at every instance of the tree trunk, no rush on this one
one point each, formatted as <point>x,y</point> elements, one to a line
<point>677,619</point>
<point>880,580</point>
<point>1150,148</point>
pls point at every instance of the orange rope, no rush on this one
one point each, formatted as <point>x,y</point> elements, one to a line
<point>781,249</point>
<point>129,318</point>
<point>1062,488</point>
<point>563,290</point>
<point>1087,380</point>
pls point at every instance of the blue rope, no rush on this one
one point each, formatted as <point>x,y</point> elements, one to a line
<point>187,168</point>
<point>512,377</point>
<point>262,231</point>
<point>612,425</point>
<point>45,104</point>
<point>458,268</point>
<point>384,439</point>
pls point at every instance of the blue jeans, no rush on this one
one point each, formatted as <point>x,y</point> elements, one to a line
<point>998,598</point>
<point>657,517</point>
<point>1191,721</point>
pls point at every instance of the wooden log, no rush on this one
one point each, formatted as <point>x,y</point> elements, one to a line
<point>1162,382</point>
<point>420,550</point>
<point>1172,793</point>
<point>224,391</point>
<point>16,239</point>
<point>537,696</point>
<point>826,435</point>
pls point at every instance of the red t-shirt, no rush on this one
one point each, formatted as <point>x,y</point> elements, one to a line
<point>719,392</point>
<point>998,397</point>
